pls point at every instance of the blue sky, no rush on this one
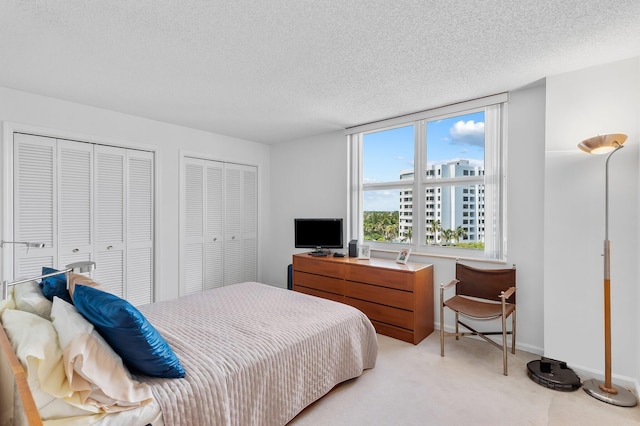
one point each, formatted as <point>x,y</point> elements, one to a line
<point>389,152</point>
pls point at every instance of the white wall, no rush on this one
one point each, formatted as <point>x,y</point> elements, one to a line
<point>309,178</point>
<point>582,104</point>
<point>525,200</point>
<point>167,140</point>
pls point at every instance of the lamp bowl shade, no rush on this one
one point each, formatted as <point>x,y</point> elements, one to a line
<point>602,144</point>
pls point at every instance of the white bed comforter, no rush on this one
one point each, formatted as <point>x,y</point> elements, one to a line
<point>256,354</point>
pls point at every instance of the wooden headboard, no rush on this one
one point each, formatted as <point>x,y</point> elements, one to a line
<point>12,377</point>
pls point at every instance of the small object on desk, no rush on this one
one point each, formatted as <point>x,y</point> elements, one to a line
<point>403,256</point>
<point>338,254</point>
<point>318,253</point>
<point>364,252</point>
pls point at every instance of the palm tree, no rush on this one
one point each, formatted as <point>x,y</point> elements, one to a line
<point>434,227</point>
<point>459,233</point>
<point>408,234</point>
<point>447,235</point>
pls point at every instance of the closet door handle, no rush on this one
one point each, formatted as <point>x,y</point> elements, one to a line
<point>75,250</point>
<point>109,247</point>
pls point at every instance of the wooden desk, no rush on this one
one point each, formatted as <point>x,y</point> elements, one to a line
<point>398,299</point>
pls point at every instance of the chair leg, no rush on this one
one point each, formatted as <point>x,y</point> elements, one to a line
<point>441,329</point>
<point>457,330</point>
<point>513,333</point>
<point>504,345</point>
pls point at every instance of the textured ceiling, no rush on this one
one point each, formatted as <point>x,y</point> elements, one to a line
<point>277,70</point>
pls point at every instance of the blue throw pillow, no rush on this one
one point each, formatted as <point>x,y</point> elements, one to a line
<point>128,332</point>
<point>55,285</point>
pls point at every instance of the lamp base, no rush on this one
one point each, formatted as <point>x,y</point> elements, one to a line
<point>624,397</point>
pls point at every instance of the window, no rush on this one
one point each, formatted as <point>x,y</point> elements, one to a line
<point>400,166</point>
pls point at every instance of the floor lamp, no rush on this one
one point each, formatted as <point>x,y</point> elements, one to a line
<point>607,391</point>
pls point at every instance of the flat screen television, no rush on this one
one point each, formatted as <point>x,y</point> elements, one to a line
<point>318,234</point>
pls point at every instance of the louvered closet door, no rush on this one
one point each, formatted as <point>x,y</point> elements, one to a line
<point>140,227</point>
<point>75,204</point>
<point>35,195</point>
<point>233,224</point>
<point>193,246</point>
<point>110,218</point>
<point>249,223</point>
<point>214,225</point>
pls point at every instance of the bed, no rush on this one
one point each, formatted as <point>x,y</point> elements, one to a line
<point>252,354</point>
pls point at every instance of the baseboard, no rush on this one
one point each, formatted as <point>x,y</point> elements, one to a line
<point>589,373</point>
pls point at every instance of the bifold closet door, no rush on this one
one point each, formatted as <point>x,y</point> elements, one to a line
<point>203,225</point>
<point>233,224</point>
<point>249,223</point>
<point>140,226</point>
<point>193,226</point>
<point>35,204</point>
<point>53,202</point>
<point>240,228</point>
<point>214,225</point>
<point>110,218</point>
<point>219,225</point>
<point>85,202</point>
<point>124,222</point>
<point>75,202</point>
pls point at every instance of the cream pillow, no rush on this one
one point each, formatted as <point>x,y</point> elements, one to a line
<point>92,368</point>
<point>7,303</point>
<point>28,297</point>
<point>75,279</point>
<point>36,344</point>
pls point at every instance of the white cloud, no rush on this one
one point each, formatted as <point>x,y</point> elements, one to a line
<point>467,133</point>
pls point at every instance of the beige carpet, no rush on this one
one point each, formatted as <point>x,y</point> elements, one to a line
<point>413,385</point>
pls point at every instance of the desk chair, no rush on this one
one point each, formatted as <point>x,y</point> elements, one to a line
<point>482,294</point>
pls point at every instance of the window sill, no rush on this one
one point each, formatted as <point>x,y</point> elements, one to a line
<point>455,254</point>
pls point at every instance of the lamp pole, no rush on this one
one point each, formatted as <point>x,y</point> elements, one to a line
<point>607,391</point>
<point>607,385</point>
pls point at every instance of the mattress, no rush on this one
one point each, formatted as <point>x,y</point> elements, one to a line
<point>256,354</point>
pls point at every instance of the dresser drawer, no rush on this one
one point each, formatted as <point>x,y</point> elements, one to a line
<point>396,332</point>
<point>319,293</point>
<point>380,295</point>
<point>319,267</point>
<point>380,276</point>
<point>319,282</point>
<point>384,314</point>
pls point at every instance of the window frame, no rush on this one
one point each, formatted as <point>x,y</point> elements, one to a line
<point>493,178</point>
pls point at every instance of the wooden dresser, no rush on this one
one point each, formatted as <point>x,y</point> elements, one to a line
<point>398,299</point>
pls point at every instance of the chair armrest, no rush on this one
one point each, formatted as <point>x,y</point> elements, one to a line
<point>507,294</point>
<point>451,283</point>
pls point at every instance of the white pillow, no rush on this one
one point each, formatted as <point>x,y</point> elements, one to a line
<point>92,368</point>
<point>29,298</point>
